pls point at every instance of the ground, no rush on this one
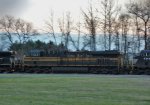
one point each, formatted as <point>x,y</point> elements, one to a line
<point>74,89</point>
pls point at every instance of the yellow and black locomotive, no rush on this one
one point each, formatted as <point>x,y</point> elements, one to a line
<point>73,62</point>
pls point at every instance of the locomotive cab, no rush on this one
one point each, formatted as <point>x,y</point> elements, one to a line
<point>142,65</point>
<point>7,61</point>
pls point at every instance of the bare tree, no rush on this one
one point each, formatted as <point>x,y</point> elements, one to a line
<point>104,6</point>
<point>7,26</point>
<point>68,29</point>
<point>91,24</point>
<point>116,29</point>
<point>23,30</point>
<point>137,25</point>
<point>2,42</point>
<point>109,15</point>
<point>50,27</point>
<point>61,22</point>
<point>79,35</point>
<point>65,26</point>
<point>12,27</point>
<point>141,9</point>
<point>109,18</point>
<point>16,30</point>
<point>78,30</point>
<point>125,23</point>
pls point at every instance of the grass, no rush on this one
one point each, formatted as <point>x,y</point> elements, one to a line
<point>25,89</point>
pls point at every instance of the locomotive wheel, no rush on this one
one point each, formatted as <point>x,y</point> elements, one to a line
<point>94,70</point>
<point>28,70</point>
<point>114,71</point>
<point>47,70</point>
<point>105,71</point>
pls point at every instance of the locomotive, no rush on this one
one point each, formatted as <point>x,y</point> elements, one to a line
<point>103,62</point>
<point>73,62</point>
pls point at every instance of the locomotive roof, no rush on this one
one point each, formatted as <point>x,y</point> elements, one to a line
<point>112,52</point>
<point>90,53</point>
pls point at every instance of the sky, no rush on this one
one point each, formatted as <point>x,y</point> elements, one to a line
<point>38,11</point>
